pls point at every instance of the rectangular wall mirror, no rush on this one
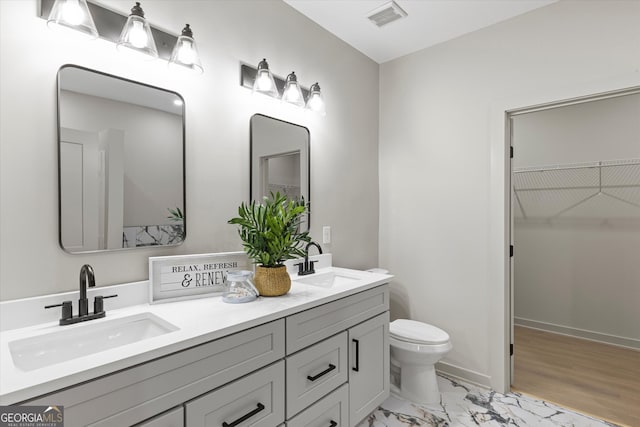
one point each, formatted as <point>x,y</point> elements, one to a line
<point>279,159</point>
<point>121,163</point>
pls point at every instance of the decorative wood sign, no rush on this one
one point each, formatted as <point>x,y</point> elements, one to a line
<point>180,277</point>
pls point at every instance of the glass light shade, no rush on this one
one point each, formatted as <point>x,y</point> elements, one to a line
<point>185,52</point>
<point>292,92</point>
<point>264,82</point>
<point>136,35</point>
<point>316,101</point>
<point>72,14</point>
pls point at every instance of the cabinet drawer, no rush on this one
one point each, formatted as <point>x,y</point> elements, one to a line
<point>173,418</point>
<point>256,400</point>
<point>318,323</point>
<point>315,371</point>
<point>138,393</point>
<point>332,411</point>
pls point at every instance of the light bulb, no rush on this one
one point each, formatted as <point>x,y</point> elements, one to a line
<point>315,101</point>
<point>72,15</point>
<point>186,54</point>
<point>138,36</point>
<point>72,12</point>
<point>264,82</point>
<point>291,94</point>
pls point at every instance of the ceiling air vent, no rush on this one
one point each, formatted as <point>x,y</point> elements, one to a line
<point>386,14</point>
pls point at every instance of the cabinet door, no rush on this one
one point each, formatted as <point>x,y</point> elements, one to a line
<point>369,366</point>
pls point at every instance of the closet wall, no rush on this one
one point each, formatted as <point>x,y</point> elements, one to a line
<point>577,257</point>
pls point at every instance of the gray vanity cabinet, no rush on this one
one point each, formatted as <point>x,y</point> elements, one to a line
<point>332,370</point>
<point>369,366</point>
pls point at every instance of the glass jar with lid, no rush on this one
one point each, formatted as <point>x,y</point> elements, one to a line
<point>239,288</point>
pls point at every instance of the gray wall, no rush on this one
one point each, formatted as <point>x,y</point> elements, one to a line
<point>437,131</point>
<point>580,276</point>
<point>344,143</point>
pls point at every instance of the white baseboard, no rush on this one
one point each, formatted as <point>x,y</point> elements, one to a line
<point>579,333</point>
<point>463,374</point>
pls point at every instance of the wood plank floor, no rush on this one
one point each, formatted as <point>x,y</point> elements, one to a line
<point>598,379</point>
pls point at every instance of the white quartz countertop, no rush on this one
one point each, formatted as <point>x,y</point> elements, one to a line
<point>198,320</point>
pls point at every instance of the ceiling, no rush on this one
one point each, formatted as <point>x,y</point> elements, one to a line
<point>428,22</point>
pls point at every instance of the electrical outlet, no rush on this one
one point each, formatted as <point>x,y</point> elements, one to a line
<point>326,234</point>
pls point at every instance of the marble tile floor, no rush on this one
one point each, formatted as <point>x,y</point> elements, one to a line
<point>465,405</point>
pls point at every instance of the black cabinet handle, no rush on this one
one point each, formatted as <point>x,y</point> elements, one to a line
<point>357,367</point>
<point>245,417</point>
<point>325,372</point>
<point>333,424</point>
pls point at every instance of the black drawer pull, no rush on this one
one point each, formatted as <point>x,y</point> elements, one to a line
<point>325,372</point>
<point>244,417</point>
<point>357,367</point>
<point>333,424</point>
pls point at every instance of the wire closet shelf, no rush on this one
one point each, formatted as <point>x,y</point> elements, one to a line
<point>600,191</point>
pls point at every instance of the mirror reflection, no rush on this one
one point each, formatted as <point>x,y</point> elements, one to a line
<point>279,158</point>
<point>121,163</point>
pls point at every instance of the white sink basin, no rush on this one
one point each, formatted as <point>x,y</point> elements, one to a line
<point>327,279</point>
<point>84,339</point>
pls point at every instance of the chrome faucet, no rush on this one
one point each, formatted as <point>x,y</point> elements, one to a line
<point>307,267</point>
<point>87,280</point>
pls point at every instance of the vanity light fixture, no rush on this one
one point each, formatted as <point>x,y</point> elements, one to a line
<point>74,15</point>
<point>136,35</point>
<point>315,102</point>
<point>131,34</point>
<point>185,52</point>
<point>264,82</point>
<point>292,92</point>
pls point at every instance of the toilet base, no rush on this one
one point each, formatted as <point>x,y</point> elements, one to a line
<point>419,384</point>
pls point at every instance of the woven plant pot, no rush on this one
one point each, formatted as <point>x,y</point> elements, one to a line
<point>272,281</point>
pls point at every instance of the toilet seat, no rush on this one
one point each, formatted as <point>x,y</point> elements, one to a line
<point>414,332</point>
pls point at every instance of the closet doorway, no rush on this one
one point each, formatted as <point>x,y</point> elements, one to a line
<point>576,267</point>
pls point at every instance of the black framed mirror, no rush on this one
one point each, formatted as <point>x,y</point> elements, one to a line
<point>121,170</point>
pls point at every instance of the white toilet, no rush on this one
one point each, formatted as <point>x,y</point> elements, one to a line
<point>415,348</point>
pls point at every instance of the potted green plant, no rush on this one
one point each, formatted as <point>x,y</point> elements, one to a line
<point>270,233</point>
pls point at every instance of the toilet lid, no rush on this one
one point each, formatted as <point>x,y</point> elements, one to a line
<point>417,332</point>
